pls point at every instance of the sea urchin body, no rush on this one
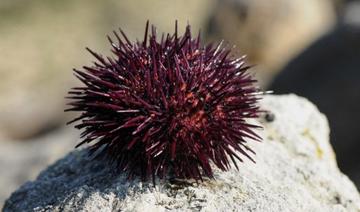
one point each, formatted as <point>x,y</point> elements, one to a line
<point>167,105</point>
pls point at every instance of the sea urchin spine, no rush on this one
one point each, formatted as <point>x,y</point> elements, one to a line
<point>167,105</point>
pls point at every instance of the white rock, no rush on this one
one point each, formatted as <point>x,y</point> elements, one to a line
<point>295,171</point>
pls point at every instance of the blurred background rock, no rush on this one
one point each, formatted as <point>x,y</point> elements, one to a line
<point>273,33</point>
<point>42,40</point>
<point>328,74</point>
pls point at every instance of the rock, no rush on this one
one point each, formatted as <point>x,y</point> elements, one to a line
<point>270,32</point>
<point>295,170</point>
<point>327,73</point>
<point>22,161</point>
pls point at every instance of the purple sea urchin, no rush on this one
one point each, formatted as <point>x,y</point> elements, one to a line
<point>166,105</point>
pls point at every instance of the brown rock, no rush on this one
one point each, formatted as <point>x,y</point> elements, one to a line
<point>270,32</point>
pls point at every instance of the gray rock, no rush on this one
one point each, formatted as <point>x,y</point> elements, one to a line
<point>295,171</point>
<point>21,161</point>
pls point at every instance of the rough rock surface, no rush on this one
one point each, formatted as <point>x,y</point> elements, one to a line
<point>295,171</point>
<point>21,161</point>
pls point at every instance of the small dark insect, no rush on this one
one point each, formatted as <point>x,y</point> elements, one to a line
<point>269,116</point>
<point>167,105</point>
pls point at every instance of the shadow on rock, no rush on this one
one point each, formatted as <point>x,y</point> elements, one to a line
<point>74,178</point>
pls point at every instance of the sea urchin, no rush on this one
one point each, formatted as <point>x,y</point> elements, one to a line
<point>167,105</point>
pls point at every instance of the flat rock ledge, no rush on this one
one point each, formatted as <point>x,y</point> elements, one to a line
<point>295,170</point>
